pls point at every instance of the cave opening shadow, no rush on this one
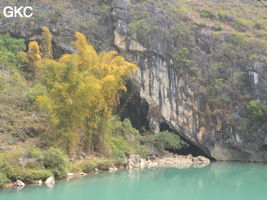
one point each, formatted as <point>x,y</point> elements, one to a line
<point>191,149</point>
<point>133,107</point>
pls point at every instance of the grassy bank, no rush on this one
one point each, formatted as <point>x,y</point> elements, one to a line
<point>37,166</point>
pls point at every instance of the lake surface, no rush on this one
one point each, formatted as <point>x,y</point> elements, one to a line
<point>219,181</point>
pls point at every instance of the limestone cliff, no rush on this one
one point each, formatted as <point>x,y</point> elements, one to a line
<point>199,68</point>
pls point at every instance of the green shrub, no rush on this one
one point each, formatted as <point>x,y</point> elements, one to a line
<point>75,168</point>
<point>9,51</point>
<point>119,162</point>
<point>104,164</point>
<point>258,25</point>
<point>223,15</point>
<point>143,151</point>
<point>206,13</point>
<point>34,165</point>
<point>56,161</point>
<point>165,141</point>
<point>142,27</point>
<point>217,27</point>
<point>88,166</point>
<point>8,159</point>
<point>35,153</point>
<point>122,128</point>
<point>2,82</point>
<point>120,147</point>
<point>3,179</point>
<point>34,92</point>
<point>256,114</point>
<point>181,58</point>
<point>28,175</point>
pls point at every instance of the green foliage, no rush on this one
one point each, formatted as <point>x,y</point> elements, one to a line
<point>207,13</point>
<point>120,147</point>
<point>2,84</point>
<point>34,165</point>
<point>223,15</point>
<point>256,114</point>
<point>181,58</point>
<point>104,164</point>
<point>122,128</point>
<point>35,153</point>
<point>37,90</point>
<point>124,139</point>
<point>3,179</point>
<point>8,159</point>
<point>9,166</point>
<point>165,141</point>
<point>28,175</point>
<point>217,27</point>
<point>9,52</point>
<point>259,24</point>
<point>143,23</point>
<point>244,21</point>
<point>142,151</point>
<point>88,166</point>
<point>57,162</point>
<point>141,27</point>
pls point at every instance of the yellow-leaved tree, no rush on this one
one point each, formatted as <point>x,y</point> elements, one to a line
<point>82,91</point>
<point>33,57</point>
<point>46,44</point>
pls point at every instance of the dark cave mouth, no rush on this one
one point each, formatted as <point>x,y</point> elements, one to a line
<point>135,108</point>
<point>192,149</point>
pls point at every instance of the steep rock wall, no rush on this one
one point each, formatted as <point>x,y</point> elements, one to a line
<point>175,96</point>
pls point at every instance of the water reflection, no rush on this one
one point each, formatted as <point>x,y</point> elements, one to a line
<point>220,181</point>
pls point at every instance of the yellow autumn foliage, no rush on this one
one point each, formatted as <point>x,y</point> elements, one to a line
<point>83,89</point>
<point>46,44</point>
<point>34,57</point>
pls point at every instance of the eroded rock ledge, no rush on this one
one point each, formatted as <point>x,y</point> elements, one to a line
<point>170,160</point>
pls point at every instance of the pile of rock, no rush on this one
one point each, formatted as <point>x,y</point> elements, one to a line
<point>170,160</point>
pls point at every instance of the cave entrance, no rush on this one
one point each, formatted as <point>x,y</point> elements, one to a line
<point>191,149</point>
<point>133,107</point>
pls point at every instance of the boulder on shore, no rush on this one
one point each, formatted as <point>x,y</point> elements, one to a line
<point>50,180</point>
<point>19,184</point>
<point>83,174</point>
<point>170,160</point>
<point>70,174</point>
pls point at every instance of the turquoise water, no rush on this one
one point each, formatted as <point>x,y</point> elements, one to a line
<point>220,181</point>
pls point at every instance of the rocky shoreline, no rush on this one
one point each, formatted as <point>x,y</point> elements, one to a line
<point>134,161</point>
<point>170,160</point>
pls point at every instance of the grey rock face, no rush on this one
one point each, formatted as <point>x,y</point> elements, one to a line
<point>177,99</point>
<point>177,62</point>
